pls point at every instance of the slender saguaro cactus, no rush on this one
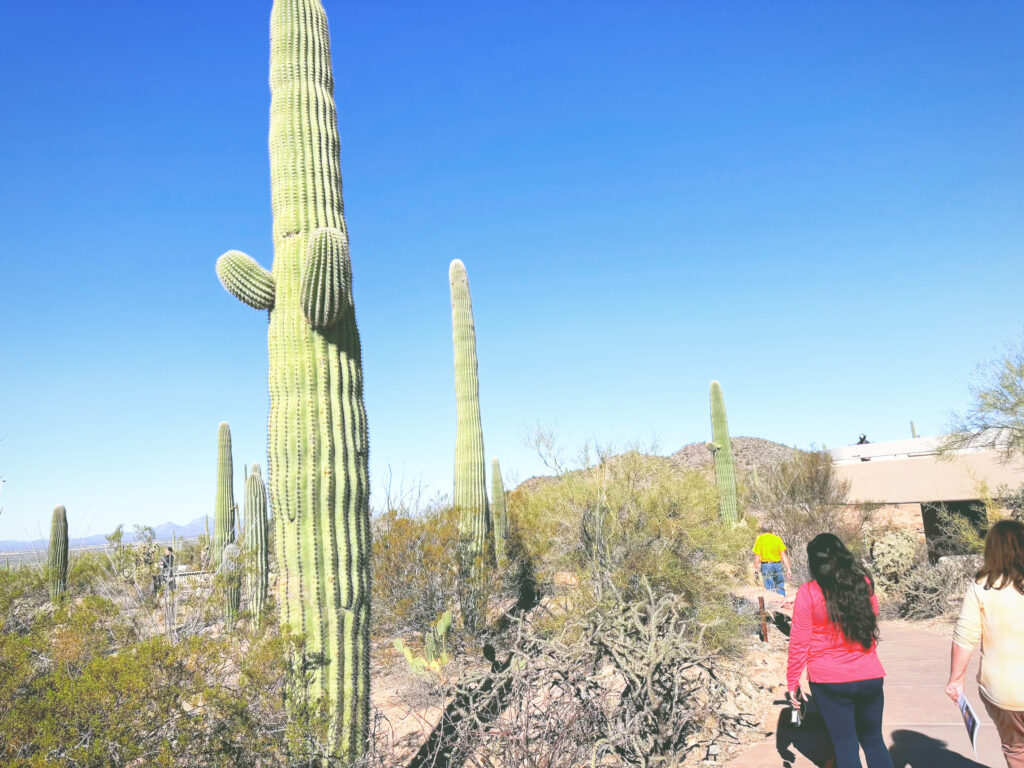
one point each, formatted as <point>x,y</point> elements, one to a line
<point>317,439</point>
<point>721,447</point>
<point>232,583</point>
<point>498,511</point>
<point>224,507</point>
<point>257,574</point>
<point>470,473</point>
<point>57,563</point>
<point>913,430</point>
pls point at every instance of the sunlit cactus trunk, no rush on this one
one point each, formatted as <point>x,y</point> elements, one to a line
<point>57,561</point>
<point>224,507</point>
<point>721,447</point>
<point>317,440</point>
<point>470,498</point>
<point>257,573</point>
<point>498,511</point>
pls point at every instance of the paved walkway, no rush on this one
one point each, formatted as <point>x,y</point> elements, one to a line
<point>922,727</point>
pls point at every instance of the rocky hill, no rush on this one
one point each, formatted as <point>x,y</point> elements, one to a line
<point>747,452</point>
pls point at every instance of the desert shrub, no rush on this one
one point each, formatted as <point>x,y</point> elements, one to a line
<point>930,591</point>
<point>623,683</point>
<point>415,572</point>
<point>627,520</point>
<point>955,533</point>
<point>801,497</point>
<point>894,554</point>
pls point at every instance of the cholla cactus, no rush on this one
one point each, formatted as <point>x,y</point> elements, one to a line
<point>317,438</point>
<point>893,555</point>
<point>57,563</point>
<point>721,447</point>
<point>470,496</point>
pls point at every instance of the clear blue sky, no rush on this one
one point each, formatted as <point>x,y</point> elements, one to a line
<point>819,204</point>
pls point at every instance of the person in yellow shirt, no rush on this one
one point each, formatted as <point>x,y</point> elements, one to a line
<point>770,558</point>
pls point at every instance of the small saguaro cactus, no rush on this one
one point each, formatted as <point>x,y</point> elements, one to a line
<point>721,447</point>
<point>224,508</point>
<point>229,568</point>
<point>498,511</point>
<point>470,495</point>
<point>57,562</point>
<point>257,574</point>
<point>316,433</point>
<point>913,430</point>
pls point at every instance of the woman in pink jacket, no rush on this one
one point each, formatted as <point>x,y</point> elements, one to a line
<point>834,634</point>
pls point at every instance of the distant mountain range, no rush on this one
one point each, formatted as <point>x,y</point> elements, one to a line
<point>164,532</point>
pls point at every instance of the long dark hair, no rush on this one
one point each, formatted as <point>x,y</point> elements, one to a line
<point>847,588</point>
<point>1004,556</point>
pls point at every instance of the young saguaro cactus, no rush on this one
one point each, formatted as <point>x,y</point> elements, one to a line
<point>498,511</point>
<point>721,447</point>
<point>317,439</point>
<point>57,562</point>
<point>257,574</point>
<point>470,496</point>
<point>224,507</point>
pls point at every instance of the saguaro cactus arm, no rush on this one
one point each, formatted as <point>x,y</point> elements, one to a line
<point>326,277</point>
<point>246,280</point>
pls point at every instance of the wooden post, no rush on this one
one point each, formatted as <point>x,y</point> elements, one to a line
<point>764,620</point>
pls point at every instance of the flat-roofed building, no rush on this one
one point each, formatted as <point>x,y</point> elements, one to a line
<point>911,482</point>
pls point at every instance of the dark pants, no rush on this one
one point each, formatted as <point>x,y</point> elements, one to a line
<point>771,575</point>
<point>853,715</point>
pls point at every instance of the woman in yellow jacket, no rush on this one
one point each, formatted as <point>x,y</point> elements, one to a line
<point>993,614</point>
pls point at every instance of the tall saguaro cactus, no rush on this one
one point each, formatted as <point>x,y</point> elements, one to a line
<point>319,491</point>
<point>224,507</point>
<point>498,510</point>
<point>470,473</point>
<point>721,446</point>
<point>258,573</point>
<point>57,562</point>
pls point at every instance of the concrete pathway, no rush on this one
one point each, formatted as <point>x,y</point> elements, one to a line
<point>922,727</point>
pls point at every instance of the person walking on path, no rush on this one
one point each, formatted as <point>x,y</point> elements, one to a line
<point>770,558</point>
<point>834,635</point>
<point>993,614</point>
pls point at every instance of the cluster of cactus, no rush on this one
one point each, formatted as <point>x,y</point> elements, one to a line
<point>317,436</point>
<point>893,555</point>
<point>57,562</point>
<point>257,574</point>
<point>499,513</point>
<point>475,548</point>
<point>721,447</point>
<point>435,643</point>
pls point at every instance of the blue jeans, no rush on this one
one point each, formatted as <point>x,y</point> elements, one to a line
<point>853,714</point>
<point>771,575</point>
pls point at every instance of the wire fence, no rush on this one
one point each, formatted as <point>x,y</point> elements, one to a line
<point>37,557</point>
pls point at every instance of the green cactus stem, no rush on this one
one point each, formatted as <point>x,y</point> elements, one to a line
<point>913,430</point>
<point>498,511</point>
<point>224,507</point>
<point>57,562</point>
<point>229,568</point>
<point>317,438</point>
<point>721,446</point>
<point>470,497</point>
<point>257,574</point>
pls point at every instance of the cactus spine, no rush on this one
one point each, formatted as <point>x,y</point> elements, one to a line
<point>499,514</point>
<point>317,439</point>
<point>257,575</point>
<point>470,473</point>
<point>224,508</point>
<point>721,446</point>
<point>57,563</point>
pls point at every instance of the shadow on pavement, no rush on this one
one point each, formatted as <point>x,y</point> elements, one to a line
<point>809,739</point>
<point>911,749</point>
